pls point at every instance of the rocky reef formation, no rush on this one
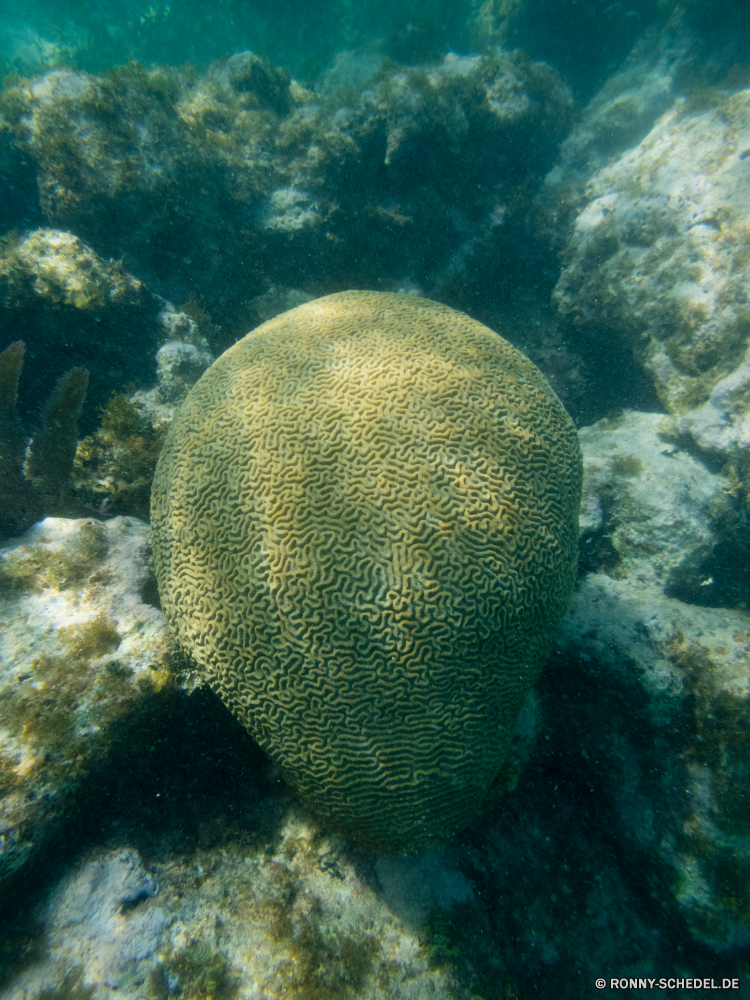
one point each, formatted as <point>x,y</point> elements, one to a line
<point>75,307</point>
<point>659,259</point>
<point>80,648</point>
<point>615,842</point>
<point>243,175</point>
<point>673,642</point>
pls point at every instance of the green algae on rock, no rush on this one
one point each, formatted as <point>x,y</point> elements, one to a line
<point>245,917</point>
<point>365,531</point>
<point>265,183</point>
<point>79,647</point>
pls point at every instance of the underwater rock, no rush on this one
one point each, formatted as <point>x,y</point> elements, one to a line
<point>401,502</point>
<point>159,166</point>
<point>662,713</point>
<point>251,74</point>
<point>416,174</point>
<point>190,177</point>
<point>659,258</point>
<point>97,919</point>
<point>292,919</point>
<point>75,308</point>
<point>646,504</point>
<point>62,270</point>
<point>663,728</point>
<point>178,368</point>
<point>615,119</point>
<point>100,929</point>
<point>79,646</point>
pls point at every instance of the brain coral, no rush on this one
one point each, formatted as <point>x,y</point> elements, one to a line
<point>365,531</point>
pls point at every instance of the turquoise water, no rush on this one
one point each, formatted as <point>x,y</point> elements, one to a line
<point>586,40</point>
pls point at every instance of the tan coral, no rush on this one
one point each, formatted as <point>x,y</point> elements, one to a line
<point>364,526</point>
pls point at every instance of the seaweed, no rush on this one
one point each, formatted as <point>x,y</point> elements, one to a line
<point>196,972</point>
<point>17,502</point>
<point>53,449</point>
<point>34,568</point>
<point>113,469</point>
<point>626,465</point>
<point>40,486</point>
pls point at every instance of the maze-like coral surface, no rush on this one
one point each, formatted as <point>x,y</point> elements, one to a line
<point>365,532</point>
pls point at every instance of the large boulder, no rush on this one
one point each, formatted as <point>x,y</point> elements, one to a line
<point>659,259</point>
<point>662,713</point>
<point>81,645</point>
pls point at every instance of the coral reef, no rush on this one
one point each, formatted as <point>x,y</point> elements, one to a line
<point>189,178</point>
<point>147,847</point>
<point>397,465</point>
<point>114,467</point>
<point>674,768</point>
<point>623,851</point>
<point>73,305</point>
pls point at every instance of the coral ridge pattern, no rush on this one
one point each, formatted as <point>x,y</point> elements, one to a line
<point>365,531</point>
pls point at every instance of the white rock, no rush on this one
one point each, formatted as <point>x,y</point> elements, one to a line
<point>273,923</point>
<point>648,496</point>
<point>674,756</point>
<point>660,257</point>
<point>97,918</point>
<point>178,368</point>
<point>78,647</point>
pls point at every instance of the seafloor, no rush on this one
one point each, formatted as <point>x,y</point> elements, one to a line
<point>579,182</point>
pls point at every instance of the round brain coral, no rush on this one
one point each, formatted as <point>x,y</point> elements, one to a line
<point>365,524</point>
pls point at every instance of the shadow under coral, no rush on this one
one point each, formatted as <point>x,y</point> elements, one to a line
<point>180,776</point>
